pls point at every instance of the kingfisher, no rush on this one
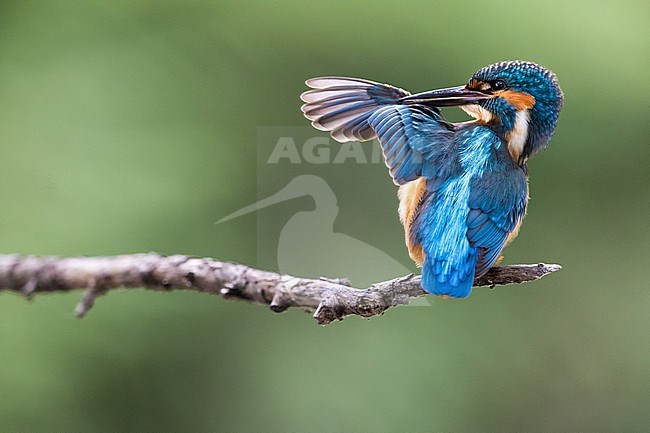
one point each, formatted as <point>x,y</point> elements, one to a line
<point>463,187</point>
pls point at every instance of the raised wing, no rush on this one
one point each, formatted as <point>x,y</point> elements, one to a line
<point>343,105</point>
<point>354,109</point>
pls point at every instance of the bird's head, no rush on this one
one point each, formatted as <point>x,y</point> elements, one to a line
<point>519,100</point>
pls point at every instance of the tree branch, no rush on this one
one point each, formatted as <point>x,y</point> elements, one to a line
<point>331,299</point>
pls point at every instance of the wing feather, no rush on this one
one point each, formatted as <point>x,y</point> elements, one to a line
<point>353,109</point>
<point>497,205</point>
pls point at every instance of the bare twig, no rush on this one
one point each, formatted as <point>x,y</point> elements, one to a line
<point>332,299</point>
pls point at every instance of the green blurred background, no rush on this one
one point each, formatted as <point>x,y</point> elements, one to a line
<point>130,126</point>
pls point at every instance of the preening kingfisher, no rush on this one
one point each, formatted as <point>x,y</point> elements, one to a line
<point>463,187</point>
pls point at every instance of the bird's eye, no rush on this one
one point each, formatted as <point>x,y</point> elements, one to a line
<point>498,85</point>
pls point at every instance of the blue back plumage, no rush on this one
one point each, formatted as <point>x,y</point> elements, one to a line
<point>466,220</point>
<point>476,188</point>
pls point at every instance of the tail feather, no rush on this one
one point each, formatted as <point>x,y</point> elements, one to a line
<point>455,282</point>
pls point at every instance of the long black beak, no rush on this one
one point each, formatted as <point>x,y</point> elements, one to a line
<point>451,96</point>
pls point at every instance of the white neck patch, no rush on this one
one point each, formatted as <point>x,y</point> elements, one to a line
<point>477,112</point>
<point>519,134</point>
<point>516,138</point>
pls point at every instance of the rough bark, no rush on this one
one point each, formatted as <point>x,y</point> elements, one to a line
<point>331,299</point>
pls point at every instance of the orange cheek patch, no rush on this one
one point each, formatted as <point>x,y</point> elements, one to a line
<point>519,100</point>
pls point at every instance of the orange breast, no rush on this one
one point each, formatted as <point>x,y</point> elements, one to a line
<point>410,197</point>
